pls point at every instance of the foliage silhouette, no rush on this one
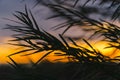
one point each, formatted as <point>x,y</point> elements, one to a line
<point>77,16</point>
<point>88,6</point>
<point>36,40</point>
<point>62,71</point>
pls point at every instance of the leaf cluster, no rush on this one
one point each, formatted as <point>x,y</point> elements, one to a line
<point>36,40</point>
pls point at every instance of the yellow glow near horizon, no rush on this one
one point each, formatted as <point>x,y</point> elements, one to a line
<point>105,51</point>
<point>5,50</point>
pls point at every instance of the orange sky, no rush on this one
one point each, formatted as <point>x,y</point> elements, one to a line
<point>6,49</point>
<point>7,8</point>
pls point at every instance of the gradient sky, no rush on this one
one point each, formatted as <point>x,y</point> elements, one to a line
<point>7,7</point>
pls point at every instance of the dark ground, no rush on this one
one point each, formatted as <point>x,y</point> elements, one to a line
<point>61,71</point>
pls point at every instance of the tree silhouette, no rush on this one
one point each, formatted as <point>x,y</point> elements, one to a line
<point>36,40</point>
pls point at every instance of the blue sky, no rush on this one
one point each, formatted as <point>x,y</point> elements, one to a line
<point>7,8</point>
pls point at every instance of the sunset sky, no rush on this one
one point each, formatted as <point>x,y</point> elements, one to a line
<point>7,7</point>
